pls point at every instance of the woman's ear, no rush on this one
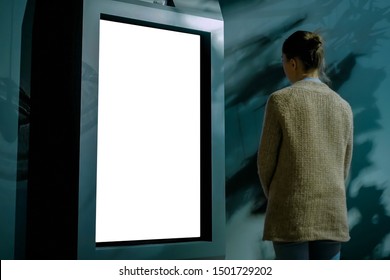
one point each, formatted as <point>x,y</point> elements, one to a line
<point>294,63</point>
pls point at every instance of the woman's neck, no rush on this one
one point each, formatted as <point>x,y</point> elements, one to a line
<point>310,74</point>
<point>307,75</point>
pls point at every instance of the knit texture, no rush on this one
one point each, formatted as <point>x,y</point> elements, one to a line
<point>303,161</point>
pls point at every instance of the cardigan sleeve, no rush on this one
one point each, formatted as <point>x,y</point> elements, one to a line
<point>348,151</point>
<point>269,145</point>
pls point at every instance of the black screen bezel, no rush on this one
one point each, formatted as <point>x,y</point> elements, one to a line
<point>205,134</point>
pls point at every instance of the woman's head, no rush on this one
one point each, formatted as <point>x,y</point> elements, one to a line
<point>306,49</point>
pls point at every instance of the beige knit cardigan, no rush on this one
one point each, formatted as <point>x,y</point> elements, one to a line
<point>303,161</point>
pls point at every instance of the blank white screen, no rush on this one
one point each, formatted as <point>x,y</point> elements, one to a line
<point>148,156</point>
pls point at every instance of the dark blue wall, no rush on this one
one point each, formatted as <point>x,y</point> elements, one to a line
<point>11,183</point>
<point>358,43</point>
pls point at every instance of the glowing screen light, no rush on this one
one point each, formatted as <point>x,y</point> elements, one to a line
<point>148,157</point>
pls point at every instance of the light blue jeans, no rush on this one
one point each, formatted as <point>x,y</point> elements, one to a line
<point>309,250</point>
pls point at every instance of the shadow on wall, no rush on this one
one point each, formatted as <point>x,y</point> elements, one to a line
<point>13,101</point>
<point>251,74</point>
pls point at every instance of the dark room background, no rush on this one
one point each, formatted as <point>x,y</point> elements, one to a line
<point>357,35</point>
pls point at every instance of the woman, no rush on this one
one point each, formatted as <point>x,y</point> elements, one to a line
<point>304,157</point>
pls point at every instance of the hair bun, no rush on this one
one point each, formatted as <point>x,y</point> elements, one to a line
<point>315,41</point>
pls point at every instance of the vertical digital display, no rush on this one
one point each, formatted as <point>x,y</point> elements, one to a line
<point>148,155</point>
